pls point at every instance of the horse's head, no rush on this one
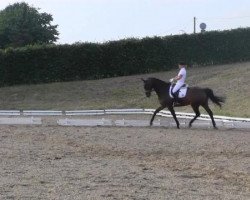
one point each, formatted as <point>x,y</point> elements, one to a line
<point>148,86</point>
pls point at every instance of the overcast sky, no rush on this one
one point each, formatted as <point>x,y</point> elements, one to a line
<point>105,20</point>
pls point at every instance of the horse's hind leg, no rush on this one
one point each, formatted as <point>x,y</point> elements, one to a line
<point>209,111</point>
<point>197,114</point>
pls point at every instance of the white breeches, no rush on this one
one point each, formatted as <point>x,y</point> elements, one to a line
<point>177,87</point>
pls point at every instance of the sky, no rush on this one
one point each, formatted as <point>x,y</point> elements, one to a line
<point>107,20</point>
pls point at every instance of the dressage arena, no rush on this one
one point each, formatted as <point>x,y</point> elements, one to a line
<point>96,155</point>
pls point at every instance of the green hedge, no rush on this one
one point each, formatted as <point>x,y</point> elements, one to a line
<point>52,63</point>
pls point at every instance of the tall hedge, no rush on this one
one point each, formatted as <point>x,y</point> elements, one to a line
<point>51,63</point>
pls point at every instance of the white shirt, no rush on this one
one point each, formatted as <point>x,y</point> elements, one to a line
<point>182,72</point>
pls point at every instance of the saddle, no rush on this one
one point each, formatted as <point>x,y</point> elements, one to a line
<point>181,93</point>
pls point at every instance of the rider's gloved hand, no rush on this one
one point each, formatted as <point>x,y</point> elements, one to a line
<point>171,80</point>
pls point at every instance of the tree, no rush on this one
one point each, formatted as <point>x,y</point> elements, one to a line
<point>21,24</point>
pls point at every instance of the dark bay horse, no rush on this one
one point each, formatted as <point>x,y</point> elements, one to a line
<point>195,97</point>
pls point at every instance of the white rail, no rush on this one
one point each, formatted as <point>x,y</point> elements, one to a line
<point>115,112</point>
<point>41,113</point>
<point>9,112</point>
<point>20,121</point>
<point>145,123</point>
<point>21,117</point>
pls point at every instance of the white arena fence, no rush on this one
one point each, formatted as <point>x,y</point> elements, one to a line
<point>20,121</point>
<point>27,117</point>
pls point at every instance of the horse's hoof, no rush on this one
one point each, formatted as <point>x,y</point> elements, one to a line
<point>215,128</point>
<point>189,126</point>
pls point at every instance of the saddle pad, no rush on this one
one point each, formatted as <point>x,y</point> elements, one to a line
<point>182,92</point>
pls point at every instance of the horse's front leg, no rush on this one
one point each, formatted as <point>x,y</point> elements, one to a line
<point>156,111</point>
<point>171,109</point>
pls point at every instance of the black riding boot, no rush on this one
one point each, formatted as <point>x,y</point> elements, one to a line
<point>175,95</point>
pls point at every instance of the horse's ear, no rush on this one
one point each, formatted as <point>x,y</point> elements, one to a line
<point>143,80</point>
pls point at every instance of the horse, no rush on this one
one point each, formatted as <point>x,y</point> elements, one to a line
<point>195,97</point>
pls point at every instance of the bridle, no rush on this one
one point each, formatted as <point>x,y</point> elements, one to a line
<point>148,92</point>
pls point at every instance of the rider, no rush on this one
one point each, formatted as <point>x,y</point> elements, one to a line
<point>180,78</point>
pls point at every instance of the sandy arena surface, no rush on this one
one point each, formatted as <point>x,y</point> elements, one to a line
<point>53,162</point>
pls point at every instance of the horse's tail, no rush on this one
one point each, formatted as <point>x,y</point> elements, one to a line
<point>215,99</point>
